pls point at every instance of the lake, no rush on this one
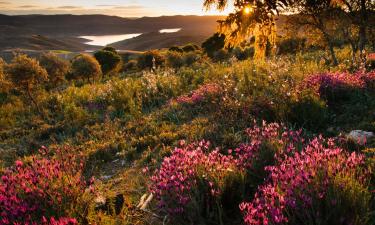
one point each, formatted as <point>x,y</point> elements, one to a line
<point>104,40</point>
<point>174,30</point>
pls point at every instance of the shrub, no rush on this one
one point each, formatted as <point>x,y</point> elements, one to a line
<point>202,94</point>
<point>26,74</point>
<point>291,46</point>
<point>5,85</point>
<point>56,67</point>
<point>130,66</point>
<point>195,177</point>
<point>309,111</point>
<point>175,49</point>
<point>190,58</point>
<point>109,61</point>
<point>109,49</point>
<point>44,188</point>
<point>190,183</point>
<point>243,53</point>
<point>145,60</point>
<point>334,87</point>
<point>174,60</point>
<point>190,48</point>
<point>85,67</point>
<point>213,44</point>
<point>305,186</point>
<point>221,55</point>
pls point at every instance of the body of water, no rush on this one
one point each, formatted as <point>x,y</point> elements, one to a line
<point>104,40</point>
<point>174,30</point>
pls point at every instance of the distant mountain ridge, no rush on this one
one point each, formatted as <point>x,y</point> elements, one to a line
<point>16,31</point>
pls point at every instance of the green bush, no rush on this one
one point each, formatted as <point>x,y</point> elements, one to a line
<point>85,67</point>
<point>221,55</point>
<point>109,61</point>
<point>130,66</point>
<point>190,58</point>
<point>291,45</point>
<point>56,68</point>
<point>26,75</point>
<point>176,49</point>
<point>213,44</point>
<point>190,48</point>
<point>145,61</point>
<point>174,60</point>
<point>308,111</point>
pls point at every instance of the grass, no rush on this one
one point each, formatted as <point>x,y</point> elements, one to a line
<point>127,123</point>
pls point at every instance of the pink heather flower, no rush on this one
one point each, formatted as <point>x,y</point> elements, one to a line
<point>178,177</point>
<point>297,181</point>
<point>30,191</point>
<point>19,163</point>
<point>200,94</point>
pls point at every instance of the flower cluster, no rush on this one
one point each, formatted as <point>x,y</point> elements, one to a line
<point>199,94</point>
<point>333,86</point>
<point>282,141</point>
<point>325,83</point>
<point>181,173</point>
<point>301,182</point>
<point>41,189</point>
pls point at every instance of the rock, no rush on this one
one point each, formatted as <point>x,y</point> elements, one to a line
<point>360,135</point>
<point>106,177</point>
<point>100,201</point>
<point>112,205</point>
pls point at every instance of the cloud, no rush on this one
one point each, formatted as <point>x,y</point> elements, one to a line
<point>130,7</point>
<point>106,5</point>
<point>27,6</point>
<point>69,7</point>
<point>4,3</point>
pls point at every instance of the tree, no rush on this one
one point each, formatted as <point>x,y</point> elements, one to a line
<point>110,49</point>
<point>85,67</point>
<point>250,18</point>
<point>56,67</point>
<point>213,44</point>
<point>4,83</point>
<point>359,12</point>
<point>317,14</point>
<point>146,59</point>
<point>109,60</point>
<point>26,74</point>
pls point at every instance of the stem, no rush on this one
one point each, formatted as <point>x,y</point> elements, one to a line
<point>34,102</point>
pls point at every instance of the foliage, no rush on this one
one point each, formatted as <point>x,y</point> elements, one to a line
<point>110,61</point>
<point>176,49</point>
<point>174,60</point>
<point>4,83</point>
<point>337,87</point>
<point>56,68</point>
<point>85,67</point>
<point>145,61</point>
<point>130,66</point>
<point>304,186</point>
<point>191,183</point>
<point>213,44</point>
<point>190,48</point>
<point>291,45</point>
<point>26,75</point>
<point>44,187</point>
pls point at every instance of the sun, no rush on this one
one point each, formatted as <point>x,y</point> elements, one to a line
<point>248,10</point>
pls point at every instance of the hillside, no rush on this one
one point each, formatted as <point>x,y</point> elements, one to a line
<point>63,30</point>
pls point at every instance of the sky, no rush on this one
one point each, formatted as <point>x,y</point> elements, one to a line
<point>123,8</point>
